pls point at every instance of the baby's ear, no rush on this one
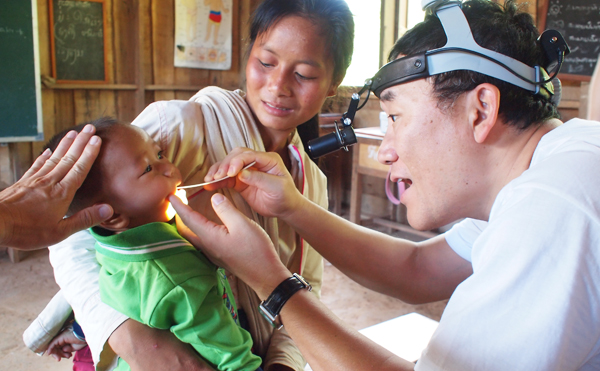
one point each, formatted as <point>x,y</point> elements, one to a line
<point>116,223</point>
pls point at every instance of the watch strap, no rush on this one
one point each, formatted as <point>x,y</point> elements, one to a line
<point>271,307</point>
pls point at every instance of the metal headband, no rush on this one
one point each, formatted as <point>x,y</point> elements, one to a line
<point>461,52</point>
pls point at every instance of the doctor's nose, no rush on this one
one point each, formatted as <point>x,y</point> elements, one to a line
<point>387,153</point>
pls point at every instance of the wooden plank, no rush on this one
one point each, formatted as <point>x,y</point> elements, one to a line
<point>127,58</point>
<point>175,87</point>
<point>356,189</point>
<point>48,85</point>
<point>164,95</point>
<point>163,43</point>
<point>124,15</point>
<point>145,32</point>
<point>93,104</point>
<point>64,110</point>
<point>109,36</point>
<point>48,105</point>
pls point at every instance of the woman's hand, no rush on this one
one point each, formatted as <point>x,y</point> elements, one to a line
<point>32,209</point>
<point>240,245</point>
<point>145,348</point>
<point>267,186</point>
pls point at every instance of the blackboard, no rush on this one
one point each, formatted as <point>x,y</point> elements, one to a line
<point>579,23</point>
<point>77,40</point>
<point>20,87</point>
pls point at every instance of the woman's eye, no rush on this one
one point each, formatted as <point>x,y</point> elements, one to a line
<point>160,155</point>
<point>148,169</point>
<point>304,77</point>
<point>265,64</point>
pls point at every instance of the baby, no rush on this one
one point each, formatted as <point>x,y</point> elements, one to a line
<point>149,272</point>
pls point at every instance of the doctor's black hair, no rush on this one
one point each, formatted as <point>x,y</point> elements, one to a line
<point>503,29</point>
<point>332,17</point>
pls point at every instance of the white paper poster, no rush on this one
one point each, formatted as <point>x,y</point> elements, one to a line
<point>203,30</point>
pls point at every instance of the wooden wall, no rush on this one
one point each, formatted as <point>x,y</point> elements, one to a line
<point>140,59</point>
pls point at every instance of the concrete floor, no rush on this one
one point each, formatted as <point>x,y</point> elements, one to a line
<point>26,287</point>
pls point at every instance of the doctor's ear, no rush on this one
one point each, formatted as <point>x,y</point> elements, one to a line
<point>116,223</point>
<point>483,104</point>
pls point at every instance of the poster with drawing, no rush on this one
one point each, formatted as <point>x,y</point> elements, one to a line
<point>203,30</point>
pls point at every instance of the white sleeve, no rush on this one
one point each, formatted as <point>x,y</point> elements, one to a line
<point>76,272</point>
<point>462,236</point>
<point>47,324</point>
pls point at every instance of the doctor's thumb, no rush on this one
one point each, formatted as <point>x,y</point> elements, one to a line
<point>226,211</point>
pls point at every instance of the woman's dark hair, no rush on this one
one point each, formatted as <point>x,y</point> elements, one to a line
<point>503,29</point>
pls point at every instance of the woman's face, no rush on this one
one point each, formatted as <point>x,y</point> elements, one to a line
<point>289,74</point>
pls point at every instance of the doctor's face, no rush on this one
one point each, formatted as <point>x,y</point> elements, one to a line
<point>424,146</point>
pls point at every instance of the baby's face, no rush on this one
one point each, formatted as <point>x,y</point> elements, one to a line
<point>138,177</point>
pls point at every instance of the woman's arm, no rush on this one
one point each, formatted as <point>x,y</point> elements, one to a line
<point>145,348</point>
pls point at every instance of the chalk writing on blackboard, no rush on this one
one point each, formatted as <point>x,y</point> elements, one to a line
<point>78,40</point>
<point>579,22</point>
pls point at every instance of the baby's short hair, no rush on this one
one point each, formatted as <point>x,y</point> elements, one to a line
<point>92,186</point>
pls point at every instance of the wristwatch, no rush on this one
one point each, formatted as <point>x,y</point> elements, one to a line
<point>271,307</point>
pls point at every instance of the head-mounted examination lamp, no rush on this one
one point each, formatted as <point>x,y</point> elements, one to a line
<point>461,52</point>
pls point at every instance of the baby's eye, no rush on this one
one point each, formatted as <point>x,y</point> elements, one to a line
<point>148,169</point>
<point>160,155</point>
<point>393,117</point>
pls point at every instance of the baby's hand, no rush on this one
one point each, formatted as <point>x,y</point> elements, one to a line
<point>64,344</point>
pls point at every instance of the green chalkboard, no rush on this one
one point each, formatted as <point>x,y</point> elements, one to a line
<point>579,23</point>
<point>20,89</point>
<point>78,48</point>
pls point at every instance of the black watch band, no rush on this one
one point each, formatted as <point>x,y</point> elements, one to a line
<point>271,307</point>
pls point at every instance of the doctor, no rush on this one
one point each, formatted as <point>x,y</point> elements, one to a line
<point>522,284</point>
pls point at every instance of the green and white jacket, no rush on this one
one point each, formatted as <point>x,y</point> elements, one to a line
<point>155,276</point>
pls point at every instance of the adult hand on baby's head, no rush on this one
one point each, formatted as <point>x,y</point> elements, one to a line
<point>32,209</point>
<point>267,186</point>
<point>240,245</point>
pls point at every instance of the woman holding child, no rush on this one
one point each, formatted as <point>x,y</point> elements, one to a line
<point>298,56</point>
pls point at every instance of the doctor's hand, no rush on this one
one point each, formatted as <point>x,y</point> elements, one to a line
<point>32,209</point>
<point>239,245</point>
<point>267,186</point>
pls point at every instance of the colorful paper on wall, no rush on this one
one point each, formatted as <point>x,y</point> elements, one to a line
<point>203,34</point>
